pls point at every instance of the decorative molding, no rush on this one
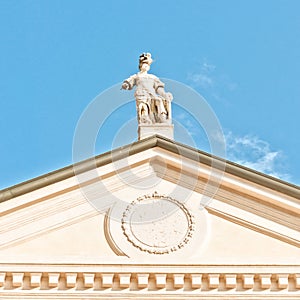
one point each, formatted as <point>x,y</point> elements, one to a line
<point>254,226</point>
<point>140,281</point>
<point>109,238</point>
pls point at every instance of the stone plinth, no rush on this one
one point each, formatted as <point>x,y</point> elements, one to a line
<point>166,130</point>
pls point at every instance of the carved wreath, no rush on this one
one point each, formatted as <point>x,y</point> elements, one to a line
<point>157,224</point>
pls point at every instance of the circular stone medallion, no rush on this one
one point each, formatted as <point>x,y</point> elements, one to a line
<point>157,224</point>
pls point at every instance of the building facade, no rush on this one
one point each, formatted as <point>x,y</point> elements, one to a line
<point>152,220</point>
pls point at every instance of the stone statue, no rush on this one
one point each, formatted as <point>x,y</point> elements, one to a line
<point>153,104</point>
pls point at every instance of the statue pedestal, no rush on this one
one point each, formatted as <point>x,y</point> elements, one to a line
<point>166,130</point>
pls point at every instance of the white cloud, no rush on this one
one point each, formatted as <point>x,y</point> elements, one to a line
<point>206,67</point>
<point>252,152</point>
<point>201,80</point>
<point>203,76</point>
<point>206,77</point>
<point>189,124</point>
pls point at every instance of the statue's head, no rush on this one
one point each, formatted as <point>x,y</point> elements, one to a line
<point>145,58</point>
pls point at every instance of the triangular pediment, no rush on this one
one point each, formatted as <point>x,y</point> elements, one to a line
<point>154,200</point>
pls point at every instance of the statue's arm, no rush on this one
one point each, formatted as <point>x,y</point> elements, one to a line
<point>129,83</point>
<point>160,90</point>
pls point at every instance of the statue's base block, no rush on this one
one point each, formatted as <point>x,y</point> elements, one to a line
<point>166,130</point>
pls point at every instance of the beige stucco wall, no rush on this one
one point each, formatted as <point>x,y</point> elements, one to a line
<point>226,243</point>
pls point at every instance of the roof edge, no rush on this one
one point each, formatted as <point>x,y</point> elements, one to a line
<point>231,167</point>
<point>148,143</point>
<point>82,166</point>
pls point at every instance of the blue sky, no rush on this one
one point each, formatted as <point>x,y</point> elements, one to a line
<point>243,57</point>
